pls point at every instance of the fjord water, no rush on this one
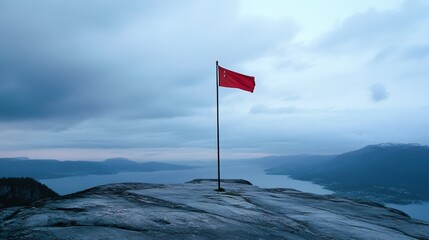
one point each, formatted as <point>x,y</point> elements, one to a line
<point>252,173</point>
<point>416,210</point>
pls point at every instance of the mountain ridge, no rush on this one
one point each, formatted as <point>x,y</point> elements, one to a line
<point>50,168</point>
<point>395,173</point>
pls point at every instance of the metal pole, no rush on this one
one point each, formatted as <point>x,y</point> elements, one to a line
<point>217,115</point>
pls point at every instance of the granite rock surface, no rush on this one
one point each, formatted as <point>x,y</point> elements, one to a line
<point>195,210</point>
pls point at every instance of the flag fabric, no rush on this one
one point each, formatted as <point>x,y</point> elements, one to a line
<point>231,79</point>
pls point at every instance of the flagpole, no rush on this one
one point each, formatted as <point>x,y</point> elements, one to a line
<point>219,189</point>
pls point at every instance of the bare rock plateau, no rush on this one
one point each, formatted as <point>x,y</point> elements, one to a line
<point>194,210</point>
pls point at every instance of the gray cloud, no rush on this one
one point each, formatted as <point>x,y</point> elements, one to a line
<point>378,92</point>
<point>115,74</point>
<point>383,55</point>
<point>79,60</point>
<point>372,29</point>
<point>262,109</point>
<point>111,74</point>
<point>416,52</point>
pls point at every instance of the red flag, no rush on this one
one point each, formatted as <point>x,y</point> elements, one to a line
<point>231,79</point>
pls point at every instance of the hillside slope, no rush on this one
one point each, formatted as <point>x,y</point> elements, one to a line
<point>385,172</point>
<point>22,192</point>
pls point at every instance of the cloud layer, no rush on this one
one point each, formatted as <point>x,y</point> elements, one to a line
<point>140,75</point>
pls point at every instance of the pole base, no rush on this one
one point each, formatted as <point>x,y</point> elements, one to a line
<point>220,190</point>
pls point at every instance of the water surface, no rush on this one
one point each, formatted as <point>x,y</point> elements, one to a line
<point>254,174</point>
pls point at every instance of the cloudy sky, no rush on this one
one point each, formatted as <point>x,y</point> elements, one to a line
<point>105,78</point>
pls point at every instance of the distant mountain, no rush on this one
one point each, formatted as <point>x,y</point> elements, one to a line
<point>43,168</point>
<point>125,165</point>
<point>22,192</point>
<point>120,164</point>
<point>389,172</point>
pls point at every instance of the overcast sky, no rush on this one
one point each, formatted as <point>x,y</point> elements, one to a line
<point>97,79</point>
